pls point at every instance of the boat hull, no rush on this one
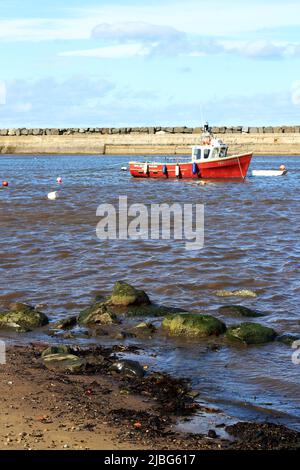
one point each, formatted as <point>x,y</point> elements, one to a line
<point>227,168</point>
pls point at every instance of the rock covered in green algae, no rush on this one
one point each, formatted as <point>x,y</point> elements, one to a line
<point>61,349</point>
<point>22,317</point>
<point>65,323</point>
<point>288,339</point>
<point>251,333</point>
<point>64,362</point>
<point>236,293</point>
<point>192,324</point>
<point>124,294</point>
<point>239,310</point>
<point>98,314</point>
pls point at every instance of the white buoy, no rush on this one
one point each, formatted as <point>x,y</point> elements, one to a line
<point>59,179</point>
<point>52,196</point>
<point>269,172</point>
<point>124,168</point>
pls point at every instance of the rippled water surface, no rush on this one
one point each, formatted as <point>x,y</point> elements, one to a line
<point>50,255</point>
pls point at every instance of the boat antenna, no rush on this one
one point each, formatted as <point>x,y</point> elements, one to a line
<point>202,118</point>
<point>205,125</point>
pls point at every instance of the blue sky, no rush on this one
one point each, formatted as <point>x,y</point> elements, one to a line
<point>125,63</point>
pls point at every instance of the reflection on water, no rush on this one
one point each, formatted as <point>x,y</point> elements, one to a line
<point>50,254</point>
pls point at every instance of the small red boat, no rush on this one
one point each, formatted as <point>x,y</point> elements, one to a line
<point>209,160</point>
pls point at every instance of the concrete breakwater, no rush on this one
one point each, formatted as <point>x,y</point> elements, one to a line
<point>284,140</point>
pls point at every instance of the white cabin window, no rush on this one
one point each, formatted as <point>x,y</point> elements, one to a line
<point>206,153</point>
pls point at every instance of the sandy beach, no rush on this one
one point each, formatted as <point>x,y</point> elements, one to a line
<point>48,409</point>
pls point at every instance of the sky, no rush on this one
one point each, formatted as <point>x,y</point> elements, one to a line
<point>116,63</point>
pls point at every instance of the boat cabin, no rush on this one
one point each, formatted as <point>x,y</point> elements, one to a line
<point>211,149</point>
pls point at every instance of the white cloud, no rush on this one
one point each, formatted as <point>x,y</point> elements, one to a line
<point>184,45</point>
<point>2,92</point>
<point>296,93</point>
<point>132,39</point>
<point>121,51</point>
<point>135,31</point>
<point>263,49</point>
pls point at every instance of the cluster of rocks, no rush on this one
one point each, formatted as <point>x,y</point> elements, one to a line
<point>78,360</point>
<point>114,315</point>
<point>150,130</point>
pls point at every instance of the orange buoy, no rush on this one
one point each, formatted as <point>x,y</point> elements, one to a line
<point>5,184</point>
<point>282,168</point>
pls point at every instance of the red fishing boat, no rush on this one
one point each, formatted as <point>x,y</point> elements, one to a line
<point>209,160</point>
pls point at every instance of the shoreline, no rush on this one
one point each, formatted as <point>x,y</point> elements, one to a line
<point>109,345</point>
<point>51,409</point>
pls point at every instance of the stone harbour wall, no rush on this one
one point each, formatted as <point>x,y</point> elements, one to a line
<point>283,140</point>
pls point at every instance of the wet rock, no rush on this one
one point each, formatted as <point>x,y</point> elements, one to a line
<point>124,294</point>
<point>212,434</point>
<point>128,368</point>
<point>239,310</point>
<point>64,362</point>
<point>98,314</point>
<point>22,317</point>
<point>288,339</point>
<point>251,333</point>
<point>65,323</point>
<point>236,293</point>
<point>192,324</point>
